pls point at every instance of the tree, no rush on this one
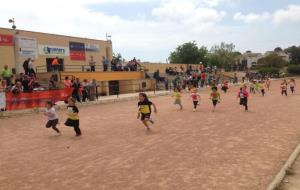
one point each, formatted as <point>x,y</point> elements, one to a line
<point>278,49</point>
<point>224,56</point>
<point>117,57</point>
<point>294,54</point>
<point>272,60</point>
<point>189,53</point>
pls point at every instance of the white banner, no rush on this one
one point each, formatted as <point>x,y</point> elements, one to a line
<point>2,100</point>
<point>53,50</point>
<point>27,42</point>
<point>92,47</point>
<point>27,47</point>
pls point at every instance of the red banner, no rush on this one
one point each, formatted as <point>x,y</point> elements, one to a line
<point>77,55</point>
<point>6,40</point>
<point>35,99</point>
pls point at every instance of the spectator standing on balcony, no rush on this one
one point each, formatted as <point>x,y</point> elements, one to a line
<point>6,75</point>
<point>26,66</point>
<point>55,64</point>
<point>104,63</point>
<point>31,67</point>
<point>92,64</point>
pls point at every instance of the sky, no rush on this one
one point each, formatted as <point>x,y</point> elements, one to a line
<point>150,29</point>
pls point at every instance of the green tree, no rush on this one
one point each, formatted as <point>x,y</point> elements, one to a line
<point>189,53</point>
<point>294,54</point>
<point>272,60</point>
<point>223,55</point>
<point>117,57</point>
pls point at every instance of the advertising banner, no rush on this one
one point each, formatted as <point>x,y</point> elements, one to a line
<point>77,51</point>
<point>6,40</point>
<point>53,50</point>
<point>76,46</point>
<point>92,47</point>
<point>27,47</point>
<point>35,99</point>
<point>77,55</point>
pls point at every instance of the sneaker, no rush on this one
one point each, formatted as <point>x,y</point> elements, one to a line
<point>194,110</point>
<point>151,121</point>
<point>77,135</point>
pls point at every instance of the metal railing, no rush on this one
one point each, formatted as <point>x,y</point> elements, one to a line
<point>88,68</point>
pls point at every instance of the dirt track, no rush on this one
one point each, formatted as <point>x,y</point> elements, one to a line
<point>226,150</point>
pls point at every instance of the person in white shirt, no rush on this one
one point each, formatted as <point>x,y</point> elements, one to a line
<point>52,116</point>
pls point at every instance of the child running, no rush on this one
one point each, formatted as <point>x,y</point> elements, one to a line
<point>292,84</point>
<point>268,84</point>
<point>225,86</point>
<point>243,96</point>
<point>215,97</point>
<point>283,87</point>
<point>252,87</point>
<point>261,87</point>
<point>177,95</point>
<point>195,98</point>
<point>52,116</point>
<point>144,106</point>
<point>73,117</point>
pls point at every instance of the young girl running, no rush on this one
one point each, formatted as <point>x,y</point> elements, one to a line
<point>243,96</point>
<point>215,97</point>
<point>292,84</point>
<point>252,87</point>
<point>268,84</point>
<point>225,86</point>
<point>195,98</point>
<point>261,87</point>
<point>52,116</point>
<point>144,106</point>
<point>177,95</point>
<point>283,87</point>
<point>73,117</point>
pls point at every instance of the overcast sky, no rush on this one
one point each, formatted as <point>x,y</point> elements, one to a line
<point>150,29</point>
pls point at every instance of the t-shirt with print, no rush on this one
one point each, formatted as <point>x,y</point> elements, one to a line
<point>73,113</point>
<point>145,107</point>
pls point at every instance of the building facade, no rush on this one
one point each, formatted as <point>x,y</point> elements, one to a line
<point>16,46</point>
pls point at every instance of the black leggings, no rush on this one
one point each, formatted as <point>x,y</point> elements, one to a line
<point>195,104</point>
<point>292,89</point>
<point>284,92</point>
<point>244,102</point>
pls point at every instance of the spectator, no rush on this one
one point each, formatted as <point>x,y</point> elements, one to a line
<point>203,79</point>
<point>76,88</point>
<point>6,75</point>
<point>52,83</point>
<point>92,64</point>
<point>3,89</point>
<point>26,66</point>
<point>85,90</point>
<point>31,68</point>
<point>104,63</point>
<point>17,88</point>
<point>67,82</point>
<point>27,84</point>
<point>93,91</point>
<point>55,64</point>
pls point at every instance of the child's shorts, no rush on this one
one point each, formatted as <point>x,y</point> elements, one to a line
<point>72,123</point>
<point>52,123</point>
<point>215,102</point>
<point>145,116</point>
<point>177,101</point>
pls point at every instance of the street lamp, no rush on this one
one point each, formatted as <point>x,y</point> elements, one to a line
<point>14,27</point>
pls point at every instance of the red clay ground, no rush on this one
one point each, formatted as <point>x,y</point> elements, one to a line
<point>226,150</point>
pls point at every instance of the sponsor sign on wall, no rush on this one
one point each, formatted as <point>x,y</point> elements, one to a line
<point>77,51</point>
<point>92,47</point>
<point>6,40</point>
<point>53,50</point>
<point>27,47</point>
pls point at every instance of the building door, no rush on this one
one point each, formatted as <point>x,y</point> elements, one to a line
<point>49,64</point>
<point>114,87</point>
